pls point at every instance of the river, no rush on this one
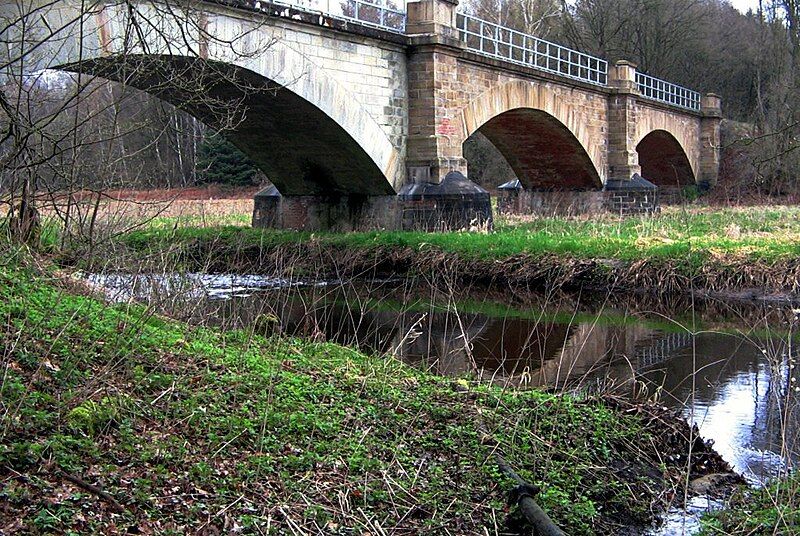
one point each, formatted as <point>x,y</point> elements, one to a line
<point>727,368</point>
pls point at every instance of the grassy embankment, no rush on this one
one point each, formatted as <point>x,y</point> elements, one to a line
<point>711,249</point>
<point>185,428</point>
<point>773,510</point>
<point>693,235</point>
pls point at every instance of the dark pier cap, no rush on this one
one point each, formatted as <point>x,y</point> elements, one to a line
<point>454,203</point>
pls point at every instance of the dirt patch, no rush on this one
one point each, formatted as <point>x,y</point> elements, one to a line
<point>192,193</point>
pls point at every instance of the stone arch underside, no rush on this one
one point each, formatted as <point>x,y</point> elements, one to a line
<point>677,130</point>
<point>663,160</point>
<point>542,152</point>
<point>540,134</point>
<point>309,133</point>
<point>299,147</point>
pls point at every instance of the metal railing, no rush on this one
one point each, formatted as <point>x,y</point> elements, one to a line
<point>663,348</point>
<point>663,91</point>
<point>380,14</point>
<point>496,41</point>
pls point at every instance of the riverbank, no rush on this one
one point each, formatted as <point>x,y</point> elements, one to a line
<point>773,509</point>
<point>115,418</point>
<point>750,253</point>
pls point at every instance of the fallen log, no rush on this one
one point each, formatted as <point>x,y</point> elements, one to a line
<point>91,488</point>
<point>523,495</point>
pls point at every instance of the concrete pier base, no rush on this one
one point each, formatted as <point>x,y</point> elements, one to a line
<point>342,213</point>
<point>454,204</point>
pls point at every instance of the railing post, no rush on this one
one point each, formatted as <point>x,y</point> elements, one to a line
<point>623,160</point>
<point>710,140</point>
<point>432,17</point>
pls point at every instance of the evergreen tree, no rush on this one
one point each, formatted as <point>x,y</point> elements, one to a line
<point>219,161</point>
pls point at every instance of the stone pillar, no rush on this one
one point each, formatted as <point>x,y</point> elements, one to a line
<point>437,196</point>
<point>710,141</point>
<point>623,160</point>
<point>626,191</point>
<point>432,17</point>
<point>434,145</point>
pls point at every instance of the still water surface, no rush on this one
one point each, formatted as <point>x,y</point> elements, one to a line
<point>730,370</point>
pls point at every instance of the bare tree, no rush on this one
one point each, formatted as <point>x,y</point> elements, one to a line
<point>51,146</point>
<point>537,17</point>
<point>776,147</point>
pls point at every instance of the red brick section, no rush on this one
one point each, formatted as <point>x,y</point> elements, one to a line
<point>542,152</point>
<point>295,212</point>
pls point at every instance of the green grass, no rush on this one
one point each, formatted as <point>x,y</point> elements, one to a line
<point>763,233</point>
<point>192,427</point>
<point>200,220</point>
<point>772,510</point>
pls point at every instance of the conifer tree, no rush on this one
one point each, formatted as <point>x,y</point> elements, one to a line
<point>220,161</point>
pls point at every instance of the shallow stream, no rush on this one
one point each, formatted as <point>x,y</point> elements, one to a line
<point>729,369</point>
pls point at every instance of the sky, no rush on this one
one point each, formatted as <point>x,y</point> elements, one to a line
<point>744,5</point>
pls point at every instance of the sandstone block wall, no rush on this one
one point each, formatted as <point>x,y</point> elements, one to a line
<point>373,71</point>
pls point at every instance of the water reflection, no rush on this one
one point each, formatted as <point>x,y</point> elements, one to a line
<point>734,381</point>
<point>742,396</point>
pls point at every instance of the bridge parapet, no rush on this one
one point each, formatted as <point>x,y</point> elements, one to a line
<point>656,89</point>
<point>379,14</point>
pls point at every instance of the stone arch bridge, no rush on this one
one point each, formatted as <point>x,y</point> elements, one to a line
<point>357,111</point>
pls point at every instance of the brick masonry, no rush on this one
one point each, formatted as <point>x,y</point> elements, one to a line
<point>627,203</point>
<point>551,203</point>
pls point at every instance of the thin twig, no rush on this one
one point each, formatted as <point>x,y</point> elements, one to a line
<point>112,502</point>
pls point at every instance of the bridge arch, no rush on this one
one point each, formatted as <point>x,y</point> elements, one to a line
<point>668,146</point>
<point>304,129</point>
<point>541,134</point>
<point>664,161</point>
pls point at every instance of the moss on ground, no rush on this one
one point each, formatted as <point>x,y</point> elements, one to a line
<point>196,429</point>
